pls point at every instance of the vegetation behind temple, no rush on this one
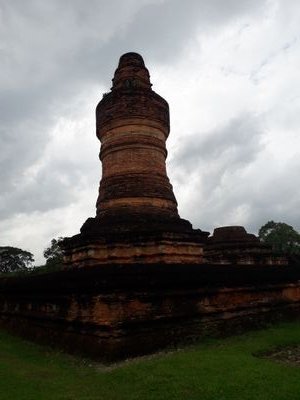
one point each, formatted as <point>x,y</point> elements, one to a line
<point>13,259</point>
<point>54,254</point>
<point>283,238</point>
<point>17,261</point>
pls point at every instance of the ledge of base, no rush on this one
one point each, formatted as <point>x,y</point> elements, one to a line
<point>167,248</point>
<point>134,226</point>
<point>140,240</point>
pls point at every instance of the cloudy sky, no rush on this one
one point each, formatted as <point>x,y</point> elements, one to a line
<point>230,70</point>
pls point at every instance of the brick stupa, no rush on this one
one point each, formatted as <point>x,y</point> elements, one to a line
<point>137,219</point>
<point>235,246</point>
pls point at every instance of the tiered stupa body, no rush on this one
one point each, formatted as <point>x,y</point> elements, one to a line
<point>133,125</point>
<point>137,218</point>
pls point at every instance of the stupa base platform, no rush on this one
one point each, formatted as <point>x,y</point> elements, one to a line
<point>113,312</point>
<point>142,240</point>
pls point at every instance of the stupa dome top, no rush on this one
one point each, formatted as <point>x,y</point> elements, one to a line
<point>131,73</point>
<point>131,59</point>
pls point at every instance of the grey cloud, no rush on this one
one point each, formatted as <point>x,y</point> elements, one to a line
<point>227,181</point>
<point>161,31</point>
<point>223,150</point>
<point>21,145</point>
<point>278,196</point>
<point>211,166</point>
<point>54,186</point>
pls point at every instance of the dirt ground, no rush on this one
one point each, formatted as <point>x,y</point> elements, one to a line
<point>288,355</point>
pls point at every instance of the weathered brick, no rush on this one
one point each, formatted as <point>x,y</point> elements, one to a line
<point>137,218</point>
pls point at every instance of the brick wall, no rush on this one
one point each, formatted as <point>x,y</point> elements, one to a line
<point>119,311</point>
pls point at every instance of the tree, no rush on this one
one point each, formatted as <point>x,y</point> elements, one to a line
<point>13,259</point>
<point>282,237</point>
<point>54,253</point>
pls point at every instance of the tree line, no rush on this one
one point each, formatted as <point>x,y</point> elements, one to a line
<point>283,239</point>
<point>13,259</point>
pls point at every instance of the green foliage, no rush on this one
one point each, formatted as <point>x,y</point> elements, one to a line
<point>54,254</point>
<point>224,369</point>
<point>282,237</point>
<point>13,259</point>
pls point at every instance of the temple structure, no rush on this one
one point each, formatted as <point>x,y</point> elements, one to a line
<point>140,277</point>
<point>137,219</point>
<point>234,246</point>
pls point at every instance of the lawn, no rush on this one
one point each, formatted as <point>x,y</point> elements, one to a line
<point>214,369</point>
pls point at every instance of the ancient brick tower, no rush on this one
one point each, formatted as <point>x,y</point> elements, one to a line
<point>137,219</point>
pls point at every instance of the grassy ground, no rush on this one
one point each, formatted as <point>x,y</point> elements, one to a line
<point>214,370</point>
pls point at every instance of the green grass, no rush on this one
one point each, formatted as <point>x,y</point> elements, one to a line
<point>214,370</point>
